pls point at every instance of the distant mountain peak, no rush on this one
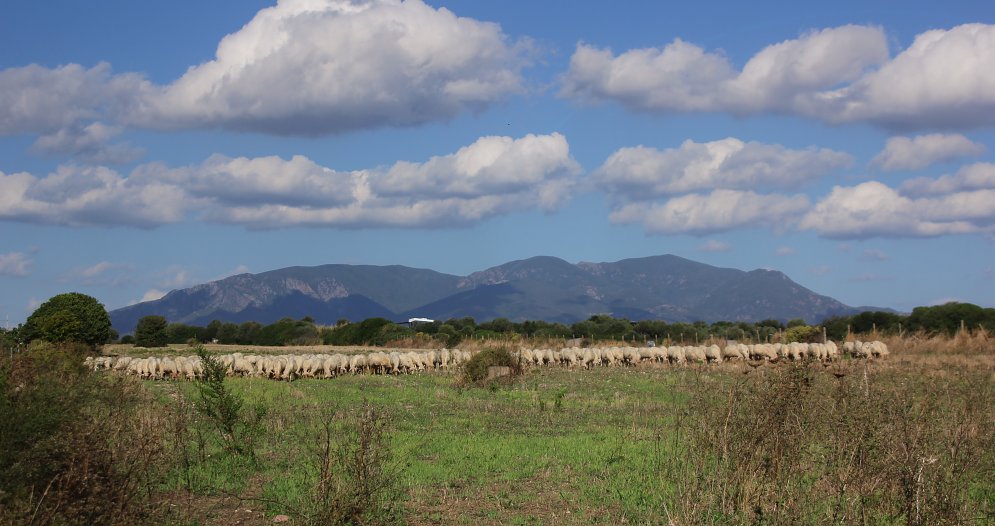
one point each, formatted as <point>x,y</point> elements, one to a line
<point>667,287</point>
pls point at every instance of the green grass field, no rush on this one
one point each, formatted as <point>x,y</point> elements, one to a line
<point>645,445</point>
<point>908,439</point>
<point>557,445</point>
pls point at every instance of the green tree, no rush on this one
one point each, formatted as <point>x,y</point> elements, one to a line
<point>181,333</point>
<point>228,333</point>
<point>210,332</point>
<point>69,318</point>
<point>151,331</point>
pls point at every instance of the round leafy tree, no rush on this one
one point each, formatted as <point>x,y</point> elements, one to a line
<point>69,318</point>
<point>151,332</point>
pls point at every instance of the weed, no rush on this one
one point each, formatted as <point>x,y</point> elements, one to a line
<point>347,475</point>
<point>75,448</point>
<point>225,409</point>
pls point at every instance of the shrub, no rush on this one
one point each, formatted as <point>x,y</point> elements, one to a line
<point>225,410</point>
<point>803,333</point>
<point>344,472</point>
<point>475,369</point>
<point>797,445</point>
<point>75,447</point>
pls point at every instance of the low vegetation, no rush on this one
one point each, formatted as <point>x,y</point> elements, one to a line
<point>902,440</point>
<point>477,369</point>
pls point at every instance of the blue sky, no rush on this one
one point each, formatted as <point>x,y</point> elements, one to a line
<point>152,146</point>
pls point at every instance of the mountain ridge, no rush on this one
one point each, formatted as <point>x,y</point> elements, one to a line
<point>667,287</point>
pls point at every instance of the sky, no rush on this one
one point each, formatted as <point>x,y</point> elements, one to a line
<point>151,146</point>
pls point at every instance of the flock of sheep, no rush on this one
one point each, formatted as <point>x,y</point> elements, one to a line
<point>286,367</point>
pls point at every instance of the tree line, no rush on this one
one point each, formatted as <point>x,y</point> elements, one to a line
<point>78,318</point>
<point>940,319</point>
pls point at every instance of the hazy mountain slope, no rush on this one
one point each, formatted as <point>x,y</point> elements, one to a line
<point>663,287</point>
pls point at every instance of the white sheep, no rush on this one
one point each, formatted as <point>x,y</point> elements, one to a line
<point>712,353</point>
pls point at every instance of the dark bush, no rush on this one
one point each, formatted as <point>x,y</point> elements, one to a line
<point>476,368</point>
<point>75,447</point>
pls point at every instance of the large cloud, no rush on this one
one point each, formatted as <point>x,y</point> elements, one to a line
<point>873,209</point>
<point>64,106</point>
<point>308,67</point>
<point>720,210</point>
<point>76,195</point>
<point>946,78</point>
<point>685,77</point>
<point>978,176</point>
<point>302,67</point>
<point>34,99</point>
<point>494,175</point>
<point>904,153</point>
<point>644,173</point>
<point>678,77</point>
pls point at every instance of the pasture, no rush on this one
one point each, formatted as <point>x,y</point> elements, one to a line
<point>907,439</point>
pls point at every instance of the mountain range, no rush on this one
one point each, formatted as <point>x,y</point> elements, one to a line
<point>664,287</point>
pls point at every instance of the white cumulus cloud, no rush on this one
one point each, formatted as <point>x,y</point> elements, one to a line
<point>35,99</point>
<point>874,209</point>
<point>904,153</point>
<point>944,79</point>
<point>644,173</point>
<point>76,195</point>
<point>718,211</point>
<point>684,77</point>
<point>978,176</point>
<point>492,176</point>
<point>311,67</point>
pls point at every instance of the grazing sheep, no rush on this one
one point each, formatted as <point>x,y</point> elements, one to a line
<point>445,358</point>
<point>764,351</point>
<point>832,352</point>
<point>587,359</point>
<point>675,355</point>
<point>731,352</point>
<point>878,349</point>
<point>694,354</point>
<point>378,362</point>
<point>712,353</point>
<point>357,364</point>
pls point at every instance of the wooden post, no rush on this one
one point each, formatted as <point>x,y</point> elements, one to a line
<point>824,339</point>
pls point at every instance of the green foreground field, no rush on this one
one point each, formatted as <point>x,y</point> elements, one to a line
<point>908,439</point>
<point>558,446</point>
<point>905,442</point>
